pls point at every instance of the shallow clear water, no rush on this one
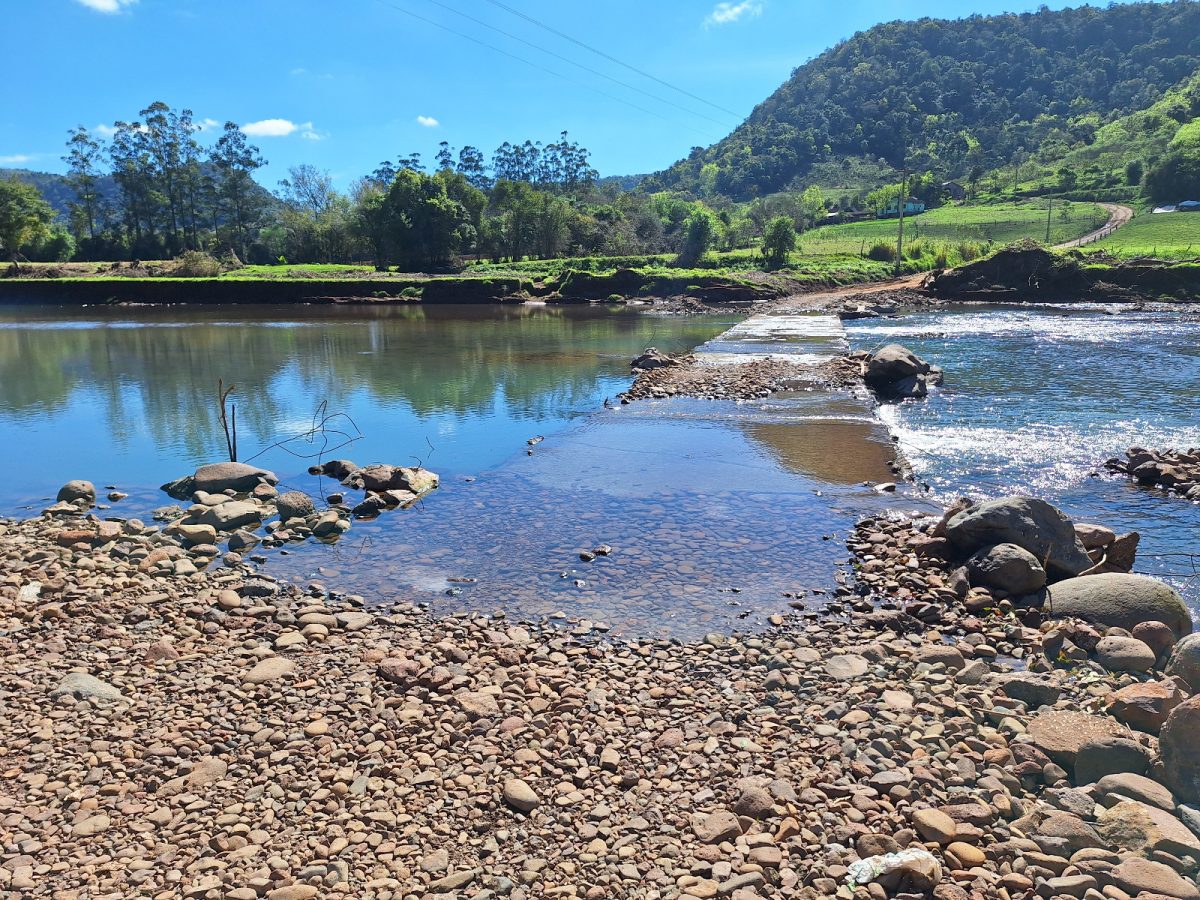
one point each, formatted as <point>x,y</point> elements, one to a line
<point>1036,399</point>
<point>715,511</point>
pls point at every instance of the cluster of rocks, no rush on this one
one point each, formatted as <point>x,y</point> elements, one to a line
<point>1102,727</point>
<point>658,378</point>
<point>1175,471</point>
<point>386,487</point>
<point>231,502</point>
<point>882,304</point>
<point>232,737</point>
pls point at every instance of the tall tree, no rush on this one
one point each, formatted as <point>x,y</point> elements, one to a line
<point>83,174</point>
<point>25,216</point>
<point>132,170</point>
<point>236,160</point>
<point>471,165</point>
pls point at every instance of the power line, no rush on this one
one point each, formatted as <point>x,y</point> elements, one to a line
<point>528,62</point>
<point>609,57</point>
<point>575,63</point>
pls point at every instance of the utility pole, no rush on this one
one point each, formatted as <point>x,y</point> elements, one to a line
<point>1049,210</point>
<point>900,237</point>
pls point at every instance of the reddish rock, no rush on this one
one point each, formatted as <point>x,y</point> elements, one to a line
<point>1145,706</point>
<point>1060,733</point>
<point>1179,749</point>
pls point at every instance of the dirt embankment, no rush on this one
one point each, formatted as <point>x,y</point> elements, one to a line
<point>1027,272</point>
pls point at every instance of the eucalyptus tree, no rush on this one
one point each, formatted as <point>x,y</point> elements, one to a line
<point>83,175</point>
<point>235,160</point>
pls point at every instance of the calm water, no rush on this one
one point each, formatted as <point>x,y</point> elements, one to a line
<point>1036,399</point>
<point>715,511</point>
<point>127,397</point>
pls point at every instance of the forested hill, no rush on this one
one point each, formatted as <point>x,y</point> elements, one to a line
<point>56,189</point>
<point>952,96</point>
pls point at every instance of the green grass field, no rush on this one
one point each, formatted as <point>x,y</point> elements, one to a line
<point>1000,224</point>
<point>1172,235</point>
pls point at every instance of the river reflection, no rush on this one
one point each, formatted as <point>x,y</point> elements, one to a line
<point>127,396</point>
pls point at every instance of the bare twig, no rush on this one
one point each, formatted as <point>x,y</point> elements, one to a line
<point>230,431</point>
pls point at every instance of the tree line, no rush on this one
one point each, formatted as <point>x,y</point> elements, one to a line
<point>153,189</point>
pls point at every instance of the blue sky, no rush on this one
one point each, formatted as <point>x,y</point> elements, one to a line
<point>345,84</point>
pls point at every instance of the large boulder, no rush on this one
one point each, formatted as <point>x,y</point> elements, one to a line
<point>1008,568</point>
<point>1033,525</point>
<point>1184,662</point>
<point>1120,600</point>
<point>1179,749</point>
<point>895,372</point>
<point>77,490</point>
<point>216,478</point>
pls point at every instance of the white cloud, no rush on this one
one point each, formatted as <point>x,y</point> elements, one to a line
<point>17,159</point>
<point>109,7</point>
<point>427,122</point>
<point>727,13</point>
<point>270,128</point>
<point>299,71</point>
<point>207,125</point>
<point>283,128</point>
<point>105,130</point>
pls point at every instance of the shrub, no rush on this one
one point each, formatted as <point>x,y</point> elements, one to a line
<point>882,251</point>
<point>969,250</point>
<point>412,292</point>
<point>194,264</point>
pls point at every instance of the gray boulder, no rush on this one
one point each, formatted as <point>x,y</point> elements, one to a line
<point>1008,568</point>
<point>77,490</point>
<point>1124,654</point>
<point>216,478</point>
<point>83,686</point>
<point>1119,600</point>
<point>1184,662</point>
<point>294,505</point>
<point>1033,525</point>
<point>895,372</point>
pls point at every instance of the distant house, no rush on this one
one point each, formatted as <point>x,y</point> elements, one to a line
<point>954,190</point>
<point>912,207</point>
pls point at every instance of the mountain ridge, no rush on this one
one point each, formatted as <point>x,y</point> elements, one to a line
<point>954,95</point>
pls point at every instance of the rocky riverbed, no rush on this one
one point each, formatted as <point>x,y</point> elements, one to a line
<point>215,734</point>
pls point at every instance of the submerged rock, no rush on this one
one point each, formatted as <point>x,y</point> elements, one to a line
<point>294,505</point>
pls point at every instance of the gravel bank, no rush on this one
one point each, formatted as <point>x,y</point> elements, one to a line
<point>215,735</point>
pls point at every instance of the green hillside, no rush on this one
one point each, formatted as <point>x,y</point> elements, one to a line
<point>957,97</point>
